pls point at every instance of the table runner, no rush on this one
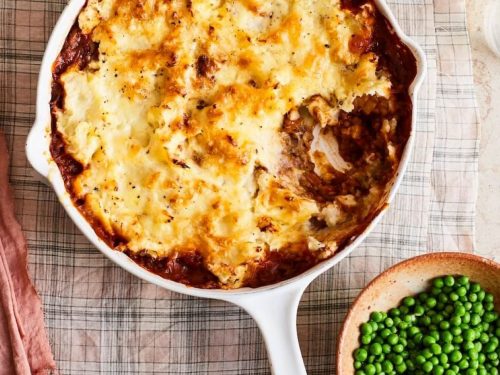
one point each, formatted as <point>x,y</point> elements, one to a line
<point>101,319</point>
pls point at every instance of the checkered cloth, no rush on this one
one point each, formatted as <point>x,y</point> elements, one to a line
<point>101,319</point>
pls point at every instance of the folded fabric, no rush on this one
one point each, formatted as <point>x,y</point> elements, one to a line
<point>24,345</point>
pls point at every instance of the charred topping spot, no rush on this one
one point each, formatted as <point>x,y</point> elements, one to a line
<point>202,104</point>
<point>265,224</point>
<point>180,163</point>
<point>204,66</point>
<point>172,59</point>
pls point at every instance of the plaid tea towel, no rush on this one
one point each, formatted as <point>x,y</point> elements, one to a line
<point>102,320</point>
<point>24,348</point>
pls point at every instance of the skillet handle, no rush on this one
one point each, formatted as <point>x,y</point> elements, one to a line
<point>275,312</point>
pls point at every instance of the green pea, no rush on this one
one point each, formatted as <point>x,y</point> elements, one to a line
<point>398,348</point>
<point>435,348</point>
<point>475,287</point>
<point>462,280</point>
<point>438,282</point>
<point>481,358</point>
<point>438,370</point>
<point>488,297</point>
<point>463,364</point>
<point>420,359</point>
<point>370,369</point>
<point>492,356</point>
<point>387,366</point>
<point>442,297</point>
<point>484,338</point>
<point>469,335</point>
<point>376,316</point>
<point>398,359</point>
<point>475,319</point>
<point>490,316</point>
<point>385,333</point>
<point>427,353</point>
<point>461,291</point>
<point>468,345</point>
<point>428,340</point>
<point>427,366</point>
<point>376,349</point>
<point>409,301</point>
<point>388,322</point>
<point>394,312</point>
<point>448,348</point>
<point>431,302</point>
<point>401,368</point>
<point>477,307</point>
<point>455,356</point>
<point>446,336</point>
<point>419,310</point>
<point>412,331</point>
<point>386,348</point>
<point>480,295</point>
<point>455,320</point>
<point>366,329</point>
<point>443,358</point>
<point>460,310</point>
<point>466,318</point>
<point>458,339</point>
<point>360,354</point>
<point>409,319</point>
<point>449,280</point>
<point>393,339</point>
<point>366,339</point>
<point>374,326</point>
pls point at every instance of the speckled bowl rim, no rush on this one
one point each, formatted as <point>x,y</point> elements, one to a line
<point>434,257</point>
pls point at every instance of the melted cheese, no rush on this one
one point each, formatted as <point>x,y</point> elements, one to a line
<point>178,122</point>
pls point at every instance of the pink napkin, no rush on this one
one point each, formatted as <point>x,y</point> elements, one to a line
<point>24,347</point>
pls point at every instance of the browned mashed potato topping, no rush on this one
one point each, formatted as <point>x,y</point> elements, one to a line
<point>225,144</point>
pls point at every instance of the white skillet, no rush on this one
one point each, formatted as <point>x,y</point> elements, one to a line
<point>273,307</point>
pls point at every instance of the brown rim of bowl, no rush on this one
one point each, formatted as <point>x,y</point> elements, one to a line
<point>448,254</point>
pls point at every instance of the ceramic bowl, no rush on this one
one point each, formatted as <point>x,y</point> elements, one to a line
<point>407,278</point>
